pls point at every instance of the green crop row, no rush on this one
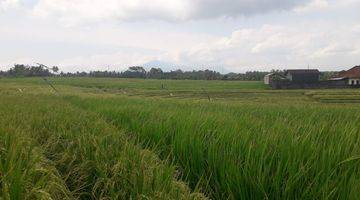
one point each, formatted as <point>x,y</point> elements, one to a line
<point>132,139</point>
<point>51,150</point>
<point>247,150</point>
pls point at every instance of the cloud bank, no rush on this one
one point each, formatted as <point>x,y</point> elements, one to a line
<point>8,4</point>
<point>281,47</point>
<point>264,48</point>
<point>169,10</point>
<point>196,34</point>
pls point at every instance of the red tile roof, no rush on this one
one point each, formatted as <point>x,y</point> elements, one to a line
<point>351,73</point>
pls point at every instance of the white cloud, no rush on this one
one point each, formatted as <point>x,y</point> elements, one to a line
<point>313,6</point>
<point>231,8</point>
<point>8,4</point>
<point>73,12</point>
<point>287,46</point>
<point>319,33</point>
<point>116,61</point>
<point>263,48</point>
<point>329,5</point>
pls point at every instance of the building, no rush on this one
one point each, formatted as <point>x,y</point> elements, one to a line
<point>303,75</point>
<point>274,77</point>
<point>310,79</point>
<point>268,78</point>
<point>351,76</point>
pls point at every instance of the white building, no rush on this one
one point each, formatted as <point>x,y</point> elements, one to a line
<point>352,76</point>
<point>268,78</point>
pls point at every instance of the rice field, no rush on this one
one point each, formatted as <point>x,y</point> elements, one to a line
<point>161,139</point>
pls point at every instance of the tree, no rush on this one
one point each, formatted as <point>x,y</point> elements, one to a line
<point>135,72</point>
<point>55,69</point>
<point>156,73</point>
<point>18,70</point>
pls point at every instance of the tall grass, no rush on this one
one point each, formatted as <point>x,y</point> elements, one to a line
<point>99,139</point>
<point>248,150</point>
<point>143,84</point>
<point>51,150</point>
<point>25,173</point>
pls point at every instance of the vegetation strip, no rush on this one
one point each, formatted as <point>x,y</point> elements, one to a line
<point>246,151</point>
<point>239,145</point>
<point>51,150</point>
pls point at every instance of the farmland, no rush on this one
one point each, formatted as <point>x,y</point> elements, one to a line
<point>166,139</point>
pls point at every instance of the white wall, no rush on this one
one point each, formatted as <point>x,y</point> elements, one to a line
<point>267,80</point>
<point>354,81</point>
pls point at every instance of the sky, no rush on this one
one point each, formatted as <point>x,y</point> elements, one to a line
<point>221,35</point>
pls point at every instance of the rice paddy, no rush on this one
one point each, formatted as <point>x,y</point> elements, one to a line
<point>160,139</point>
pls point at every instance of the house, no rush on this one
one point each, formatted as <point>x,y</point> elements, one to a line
<point>351,76</point>
<point>303,75</point>
<point>274,77</point>
<point>268,78</point>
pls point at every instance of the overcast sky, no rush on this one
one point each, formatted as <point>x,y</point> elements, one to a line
<point>223,35</point>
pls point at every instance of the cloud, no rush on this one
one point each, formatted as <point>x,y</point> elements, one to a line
<point>320,33</point>
<point>280,46</point>
<point>329,5</point>
<point>268,46</point>
<point>313,6</point>
<point>233,8</point>
<point>72,12</point>
<point>8,4</point>
<point>115,61</point>
<point>316,44</point>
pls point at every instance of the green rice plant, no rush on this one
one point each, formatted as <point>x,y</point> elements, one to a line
<point>114,138</point>
<point>25,173</point>
<point>141,84</point>
<point>247,150</point>
<point>61,152</point>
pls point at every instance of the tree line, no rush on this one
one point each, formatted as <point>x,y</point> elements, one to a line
<point>20,70</point>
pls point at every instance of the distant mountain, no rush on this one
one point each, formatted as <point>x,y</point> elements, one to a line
<point>165,66</point>
<point>168,66</point>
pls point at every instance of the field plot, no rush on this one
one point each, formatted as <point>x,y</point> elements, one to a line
<point>53,150</point>
<point>339,96</point>
<point>158,139</point>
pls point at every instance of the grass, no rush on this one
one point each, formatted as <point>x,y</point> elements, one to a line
<point>336,96</point>
<point>128,138</point>
<point>52,150</point>
<point>145,84</point>
<point>247,151</point>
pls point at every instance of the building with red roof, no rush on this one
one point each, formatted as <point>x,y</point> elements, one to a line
<point>352,76</point>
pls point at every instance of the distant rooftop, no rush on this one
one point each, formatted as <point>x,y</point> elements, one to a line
<point>302,71</point>
<point>351,73</point>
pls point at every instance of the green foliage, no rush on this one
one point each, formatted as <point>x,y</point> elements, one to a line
<point>28,71</point>
<point>149,85</point>
<point>115,138</point>
<point>136,72</point>
<point>327,75</point>
<point>52,150</point>
<point>248,150</point>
